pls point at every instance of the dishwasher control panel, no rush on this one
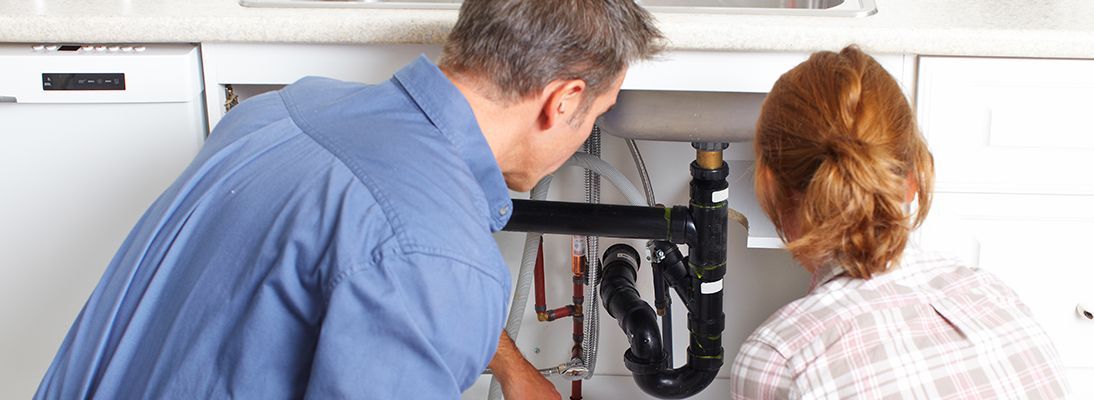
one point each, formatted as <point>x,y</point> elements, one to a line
<point>83,81</point>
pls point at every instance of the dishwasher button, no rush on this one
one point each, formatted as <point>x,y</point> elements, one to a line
<point>53,47</point>
<point>127,49</point>
<point>140,49</point>
<point>100,48</point>
<point>38,47</point>
<point>114,49</point>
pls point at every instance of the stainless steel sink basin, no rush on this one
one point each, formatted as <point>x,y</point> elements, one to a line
<point>829,8</point>
<point>429,4</point>
<point>844,8</point>
<point>394,4</point>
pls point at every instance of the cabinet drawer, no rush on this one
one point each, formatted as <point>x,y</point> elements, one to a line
<point>1036,244</point>
<point>1009,125</point>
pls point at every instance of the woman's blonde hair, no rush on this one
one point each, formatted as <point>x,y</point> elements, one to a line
<point>839,141</point>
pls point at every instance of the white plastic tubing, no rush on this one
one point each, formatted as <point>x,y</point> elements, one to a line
<point>531,240</point>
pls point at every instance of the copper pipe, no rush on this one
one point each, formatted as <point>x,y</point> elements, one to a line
<point>541,295</point>
<point>561,312</point>
<point>580,267</point>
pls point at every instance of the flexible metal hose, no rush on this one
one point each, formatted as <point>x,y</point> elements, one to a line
<point>591,338</point>
<point>643,174</point>
<point>601,168</point>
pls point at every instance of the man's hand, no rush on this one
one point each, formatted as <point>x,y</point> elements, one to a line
<point>519,380</point>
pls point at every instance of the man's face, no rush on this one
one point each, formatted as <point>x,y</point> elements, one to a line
<point>566,138</point>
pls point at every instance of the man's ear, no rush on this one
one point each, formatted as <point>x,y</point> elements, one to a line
<point>561,100</point>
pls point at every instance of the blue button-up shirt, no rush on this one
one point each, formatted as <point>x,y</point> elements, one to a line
<point>331,240</point>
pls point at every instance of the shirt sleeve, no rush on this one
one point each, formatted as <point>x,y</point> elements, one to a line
<point>759,372</point>
<point>414,326</point>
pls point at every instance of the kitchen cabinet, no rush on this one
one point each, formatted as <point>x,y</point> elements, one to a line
<point>1014,154</point>
<point>1009,125</point>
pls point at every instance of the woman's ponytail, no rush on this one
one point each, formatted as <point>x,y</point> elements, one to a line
<point>838,139</point>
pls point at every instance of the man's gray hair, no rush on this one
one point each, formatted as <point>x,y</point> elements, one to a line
<point>522,45</point>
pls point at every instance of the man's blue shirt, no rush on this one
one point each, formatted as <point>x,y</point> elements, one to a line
<point>331,240</point>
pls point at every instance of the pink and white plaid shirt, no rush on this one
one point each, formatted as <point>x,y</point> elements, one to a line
<point>929,329</point>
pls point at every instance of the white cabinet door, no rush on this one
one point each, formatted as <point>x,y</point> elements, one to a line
<point>1009,125</point>
<point>1038,245</point>
<point>1013,141</point>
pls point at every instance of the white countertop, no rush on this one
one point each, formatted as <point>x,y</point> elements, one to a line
<point>1024,28</point>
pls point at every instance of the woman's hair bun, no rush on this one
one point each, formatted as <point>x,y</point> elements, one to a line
<point>844,146</point>
<point>835,144</point>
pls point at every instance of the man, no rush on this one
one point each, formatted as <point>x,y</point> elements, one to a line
<point>333,240</point>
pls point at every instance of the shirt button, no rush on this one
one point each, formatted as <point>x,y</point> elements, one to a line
<point>504,210</point>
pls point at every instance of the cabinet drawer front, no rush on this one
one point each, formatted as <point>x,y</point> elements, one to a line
<point>1009,125</point>
<point>1036,244</point>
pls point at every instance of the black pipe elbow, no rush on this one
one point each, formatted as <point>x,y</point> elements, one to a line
<point>646,358</point>
<point>679,383</point>
<point>625,304</point>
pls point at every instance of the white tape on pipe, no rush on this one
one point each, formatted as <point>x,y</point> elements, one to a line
<point>711,287</point>
<point>721,195</point>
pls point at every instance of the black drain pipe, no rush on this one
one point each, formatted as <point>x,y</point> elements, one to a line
<point>607,220</point>
<point>699,285</point>
<point>625,304</point>
<point>697,278</point>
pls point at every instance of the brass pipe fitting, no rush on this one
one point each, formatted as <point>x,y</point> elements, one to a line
<point>709,159</point>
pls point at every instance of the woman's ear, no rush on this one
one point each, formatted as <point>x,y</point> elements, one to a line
<point>911,187</point>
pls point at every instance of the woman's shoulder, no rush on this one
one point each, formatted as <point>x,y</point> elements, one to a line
<point>833,308</point>
<point>944,276</point>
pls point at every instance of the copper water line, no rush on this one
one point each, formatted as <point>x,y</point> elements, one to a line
<point>541,295</point>
<point>578,269</point>
<point>580,266</point>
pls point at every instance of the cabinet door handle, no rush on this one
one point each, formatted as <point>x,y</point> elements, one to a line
<point>8,99</point>
<point>1085,312</point>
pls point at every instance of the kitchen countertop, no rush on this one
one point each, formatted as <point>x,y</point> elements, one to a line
<point>1023,28</point>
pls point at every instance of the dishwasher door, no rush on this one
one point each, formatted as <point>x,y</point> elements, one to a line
<point>77,170</point>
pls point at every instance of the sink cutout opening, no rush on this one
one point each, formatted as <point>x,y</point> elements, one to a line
<point>773,4</point>
<point>823,8</point>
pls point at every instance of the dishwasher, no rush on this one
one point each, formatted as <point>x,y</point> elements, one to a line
<point>90,135</point>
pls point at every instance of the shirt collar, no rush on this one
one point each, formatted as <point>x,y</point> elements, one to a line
<point>450,113</point>
<point>824,274</point>
<point>830,271</point>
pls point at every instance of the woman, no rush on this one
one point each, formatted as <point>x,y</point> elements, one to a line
<point>839,162</point>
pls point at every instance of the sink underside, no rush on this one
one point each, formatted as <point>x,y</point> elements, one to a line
<point>658,115</point>
<point>679,116</point>
<point>829,8</point>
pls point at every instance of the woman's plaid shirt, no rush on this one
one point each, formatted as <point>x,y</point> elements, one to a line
<point>929,329</point>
